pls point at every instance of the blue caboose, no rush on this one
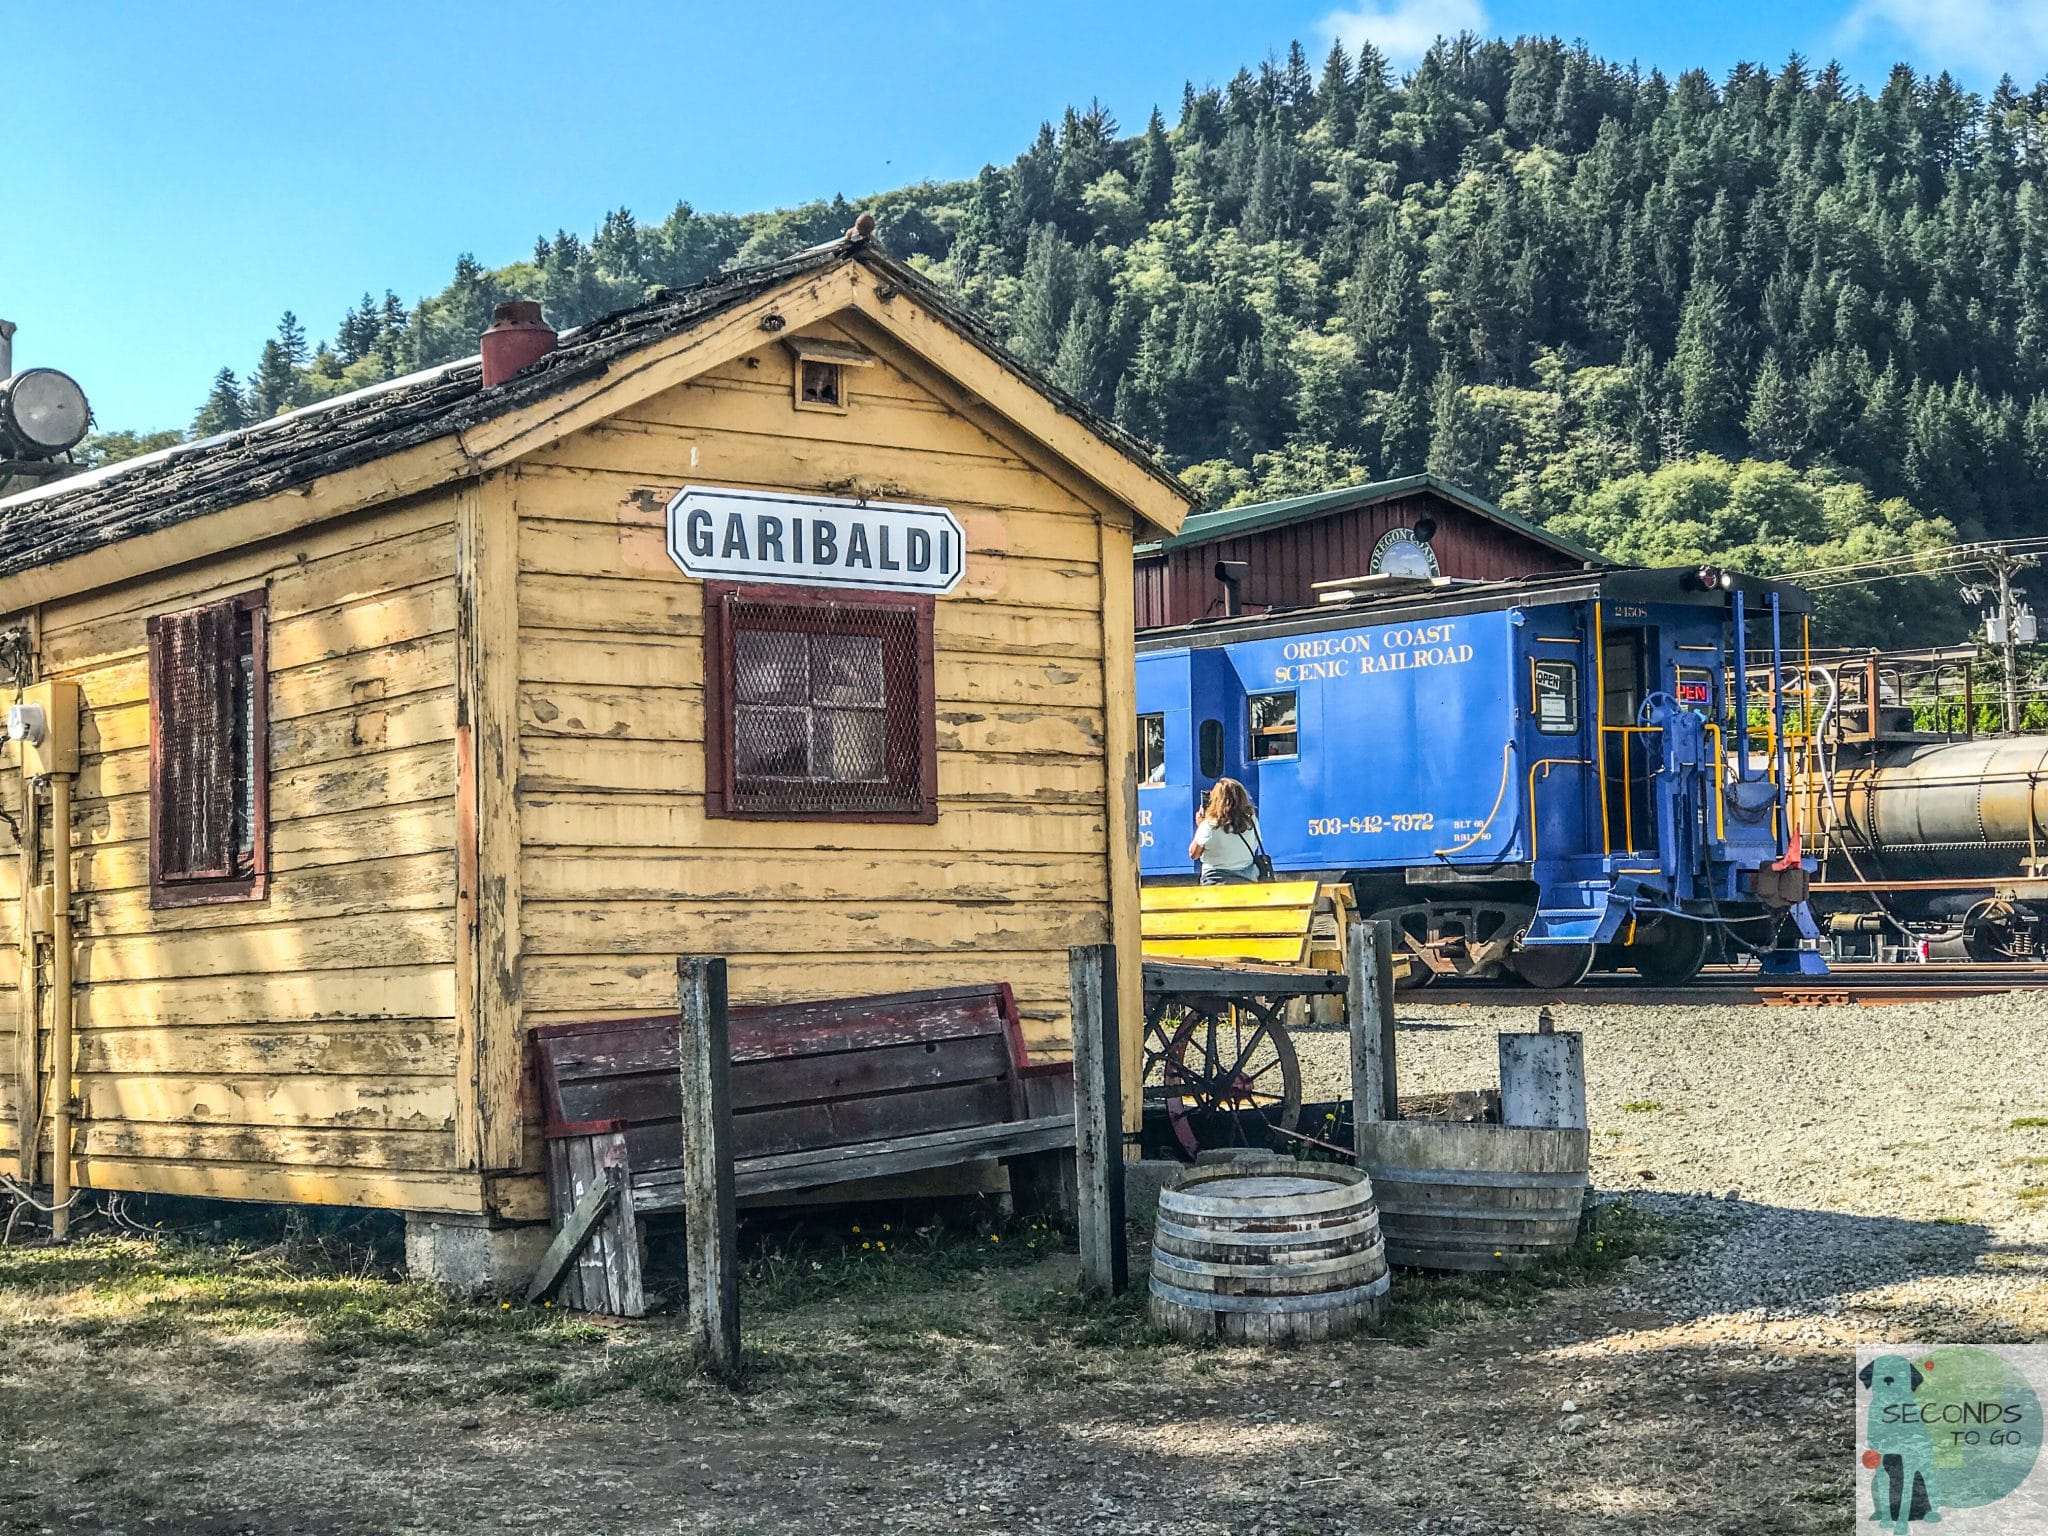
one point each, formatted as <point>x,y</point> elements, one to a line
<point>1524,775</point>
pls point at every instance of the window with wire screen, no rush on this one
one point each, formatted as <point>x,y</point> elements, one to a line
<point>821,705</point>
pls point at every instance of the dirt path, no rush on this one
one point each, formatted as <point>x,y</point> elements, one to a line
<point>1884,1191</point>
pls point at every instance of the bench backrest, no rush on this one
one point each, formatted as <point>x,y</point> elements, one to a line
<point>1272,921</point>
<point>805,1076</point>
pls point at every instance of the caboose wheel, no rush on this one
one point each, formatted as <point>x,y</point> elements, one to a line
<point>1552,967</point>
<point>1667,952</point>
<point>1226,1061</point>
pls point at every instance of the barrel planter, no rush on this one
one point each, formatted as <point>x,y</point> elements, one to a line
<point>1475,1197</point>
<point>1267,1250</point>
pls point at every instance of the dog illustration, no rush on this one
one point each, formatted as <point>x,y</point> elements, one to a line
<point>1900,1453</point>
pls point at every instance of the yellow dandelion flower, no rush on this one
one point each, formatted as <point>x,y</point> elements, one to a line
<point>504,1306</point>
<point>881,1247</point>
<point>994,1238</point>
<point>856,1231</point>
<point>865,1246</point>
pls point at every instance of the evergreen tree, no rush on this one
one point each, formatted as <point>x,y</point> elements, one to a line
<point>1405,430</point>
<point>1045,298</point>
<point>1776,422</point>
<point>224,410</point>
<point>1154,184</point>
<point>1457,450</point>
<point>1708,366</point>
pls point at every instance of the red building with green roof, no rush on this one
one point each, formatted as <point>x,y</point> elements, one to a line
<point>1418,526</point>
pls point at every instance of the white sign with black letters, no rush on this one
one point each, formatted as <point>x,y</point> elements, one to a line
<point>815,541</point>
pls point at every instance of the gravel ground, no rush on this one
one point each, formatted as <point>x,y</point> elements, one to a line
<point>1844,1173</point>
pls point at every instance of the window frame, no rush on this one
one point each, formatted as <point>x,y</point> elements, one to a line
<point>1143,716</point>
<point>842,357</point>
<point>1569,694</point>
<point>804,400</point>
<point>184,890</point>
<point>720,768</point>
<point>1211,731</point>
<point>1254,733</point>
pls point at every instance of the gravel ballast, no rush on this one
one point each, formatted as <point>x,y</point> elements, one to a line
<point>1829,1167</point>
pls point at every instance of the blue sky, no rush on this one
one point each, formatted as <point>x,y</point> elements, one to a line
<point>181,174</point>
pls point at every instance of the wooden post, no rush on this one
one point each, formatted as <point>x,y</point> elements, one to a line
<point>711,1228</point>
<point>1383,980</point>
<point>1369,1010</point>
<point>1099,1117</point>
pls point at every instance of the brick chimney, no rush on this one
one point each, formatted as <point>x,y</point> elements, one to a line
<point>518,338</point>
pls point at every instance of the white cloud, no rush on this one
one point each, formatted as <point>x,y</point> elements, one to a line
<point>1987,37</point>
<point>1404,29</point>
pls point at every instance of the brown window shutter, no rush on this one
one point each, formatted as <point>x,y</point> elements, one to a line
<point>192,686</point>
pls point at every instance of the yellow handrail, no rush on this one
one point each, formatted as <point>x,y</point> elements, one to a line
<point>1546,764</point>
<point>1628,809</point>
<point>1720,784</point>
<point>1507,757</point>
<point>1599,726</point>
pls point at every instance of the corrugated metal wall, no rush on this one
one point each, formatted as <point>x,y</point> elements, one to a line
<point>1180,586</point>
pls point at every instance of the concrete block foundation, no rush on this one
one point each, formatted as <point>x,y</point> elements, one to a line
<point>473,1255</point>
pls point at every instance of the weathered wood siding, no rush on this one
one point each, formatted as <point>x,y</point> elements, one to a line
<point>623,871</point>
<point>301,1046</point>
<point>1179,586</point>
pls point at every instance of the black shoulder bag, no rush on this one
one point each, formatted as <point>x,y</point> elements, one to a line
<point>1262,861</point>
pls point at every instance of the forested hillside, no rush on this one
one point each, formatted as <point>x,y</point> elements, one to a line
<point>1774,319</point>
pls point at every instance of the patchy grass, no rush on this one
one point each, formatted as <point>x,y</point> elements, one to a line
<point>2033,1194</point>
<point>874,1258</point>
<point>855,1322</point>
<point>1641,1107</point>
<point>2031,1123</point>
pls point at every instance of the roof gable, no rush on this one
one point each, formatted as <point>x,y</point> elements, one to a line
<point>410,434</point>
<point>1233,522</point>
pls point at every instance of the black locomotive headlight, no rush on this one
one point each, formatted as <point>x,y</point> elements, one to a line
<point>42,413</point>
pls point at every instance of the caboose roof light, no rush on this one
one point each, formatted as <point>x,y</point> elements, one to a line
<point>42,413</point>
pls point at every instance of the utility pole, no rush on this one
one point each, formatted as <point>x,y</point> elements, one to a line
<point>2002,564</point>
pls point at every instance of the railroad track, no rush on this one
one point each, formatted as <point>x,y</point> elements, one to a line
<point>1860,985</point>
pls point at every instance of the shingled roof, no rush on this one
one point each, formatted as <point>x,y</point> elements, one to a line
<point>77,515</point>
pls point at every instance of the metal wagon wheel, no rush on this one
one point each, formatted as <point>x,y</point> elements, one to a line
<point>1225,1059</point>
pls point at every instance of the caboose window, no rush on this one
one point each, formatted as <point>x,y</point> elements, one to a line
<point>1557,697</point>
<point>819,705</point>
<point>1273,729</point>
<point>209,749</point>
<point>1151,750</point>
<point>1211,753</point>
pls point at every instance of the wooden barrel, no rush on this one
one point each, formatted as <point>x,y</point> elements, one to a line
<point>1267,1250</point>
<point>1476,1196</point>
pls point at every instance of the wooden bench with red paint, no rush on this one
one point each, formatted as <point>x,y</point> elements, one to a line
<point>822,1093</point>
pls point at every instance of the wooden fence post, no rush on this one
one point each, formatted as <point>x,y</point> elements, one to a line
<point>1383,978</point>
<point>1369,1011</point>
<point>711,1228</point>
<point>1099,1117</point>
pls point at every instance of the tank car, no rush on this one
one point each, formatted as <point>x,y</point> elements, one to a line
<point>1927,839</point>
<point>1520,775</point>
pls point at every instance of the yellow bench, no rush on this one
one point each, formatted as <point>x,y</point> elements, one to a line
<point>1272,922</point>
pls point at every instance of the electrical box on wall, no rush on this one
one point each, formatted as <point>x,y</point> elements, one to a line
<point>45,724</point>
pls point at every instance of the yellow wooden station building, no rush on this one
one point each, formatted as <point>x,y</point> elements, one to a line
<point>785,619</point>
